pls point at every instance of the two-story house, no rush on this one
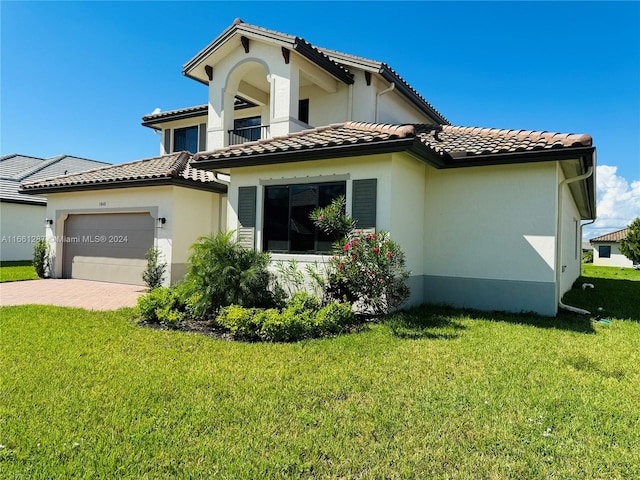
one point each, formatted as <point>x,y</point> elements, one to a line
<point>488,218</point>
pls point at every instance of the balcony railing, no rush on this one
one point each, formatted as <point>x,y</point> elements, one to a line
<point>238,136</point>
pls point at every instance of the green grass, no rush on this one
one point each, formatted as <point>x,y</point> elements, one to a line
<point>431,393</point>
<point>616,291</point>
<point>14,271</point>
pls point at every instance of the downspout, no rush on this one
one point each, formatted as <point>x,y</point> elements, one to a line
<point>379,94</point>
<point>559,266</point>
<point>350,104</point>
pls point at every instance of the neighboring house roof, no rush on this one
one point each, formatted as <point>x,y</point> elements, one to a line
<point>444,146</point>
<point>172,169</point>
<point>335,63</point>
<point>611,237</point>
<point>16,168</point>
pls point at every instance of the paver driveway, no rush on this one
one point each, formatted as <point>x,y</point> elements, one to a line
<point>70,293</point>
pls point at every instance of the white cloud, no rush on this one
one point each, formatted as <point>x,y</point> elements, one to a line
<point>618,202</point>
<point>156,110</point>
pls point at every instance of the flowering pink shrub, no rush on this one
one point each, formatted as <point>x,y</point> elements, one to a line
<point>365,269</point>
<point>368,269</point>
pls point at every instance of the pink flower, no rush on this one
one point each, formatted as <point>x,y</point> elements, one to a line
<point>376,250</point>
<point>341,266</point>
<point>321,217</point>
<point>353,257</point>
<point>346,247</point>
<point>389,254</point>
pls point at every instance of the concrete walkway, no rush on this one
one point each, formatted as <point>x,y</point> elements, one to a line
<point>70,293</point>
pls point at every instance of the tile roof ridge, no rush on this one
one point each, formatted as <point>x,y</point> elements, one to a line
<point>179,164</point>
<point>92,170</point>
<point>318,51</point>
<point>385,66</point>
<point>401,130</point>
<point>330,52</point>
<point>566,139</point>
<point>12,155</point>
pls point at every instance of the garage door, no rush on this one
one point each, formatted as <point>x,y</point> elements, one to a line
<point>107,247</point>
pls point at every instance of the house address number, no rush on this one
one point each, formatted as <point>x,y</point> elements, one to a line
<point>102,204</point>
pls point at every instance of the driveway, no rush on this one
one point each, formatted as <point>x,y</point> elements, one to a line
<point>70,293</point>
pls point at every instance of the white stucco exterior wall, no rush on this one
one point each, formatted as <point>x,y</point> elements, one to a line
<point>487,218</point>
<point>281,85</point>
<point>20,226</point>
<point>571,241</point>
<point>194,213</point>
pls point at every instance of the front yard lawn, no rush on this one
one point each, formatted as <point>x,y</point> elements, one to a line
<point>14,271</point>
<point>430,393</point>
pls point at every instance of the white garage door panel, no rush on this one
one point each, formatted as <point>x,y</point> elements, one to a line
<point>108,247</point>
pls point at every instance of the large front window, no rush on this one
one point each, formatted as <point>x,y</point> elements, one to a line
<point>287,226</point>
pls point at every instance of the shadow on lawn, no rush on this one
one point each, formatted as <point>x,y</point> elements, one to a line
<point>443,322</point>
<point>619,299</point>
<point>425,322</point>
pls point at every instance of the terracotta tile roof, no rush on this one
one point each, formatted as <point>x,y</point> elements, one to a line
<point>173,167</point>
<point>469,141</point>
<point>445,142</point>
<point>611,237</point>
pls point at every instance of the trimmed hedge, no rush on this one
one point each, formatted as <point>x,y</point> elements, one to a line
<point>301,318</point>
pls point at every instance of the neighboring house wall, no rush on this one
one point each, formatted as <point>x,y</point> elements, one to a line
<point>169,202</point>
<point>616,259</point>
<point>21,225</point>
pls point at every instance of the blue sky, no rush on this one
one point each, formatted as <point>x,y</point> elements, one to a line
<point>76,77</point>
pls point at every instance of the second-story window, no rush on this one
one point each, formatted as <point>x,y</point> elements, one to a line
<point>185,139</point>
<point>247,128</point>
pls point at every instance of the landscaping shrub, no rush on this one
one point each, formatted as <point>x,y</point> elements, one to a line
<point>369,269</point>
<point>333,220</point>
<point>303,317</point>
<point>366,269</point>
<point>41,258</point>
<point>240,321</point>
<point>162,305</point>
<point>222,272</point>
<point>154,273</point>
<point>333,318</point>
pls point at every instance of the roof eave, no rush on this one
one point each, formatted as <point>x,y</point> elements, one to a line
<point>306,154</point>
<point>403,87</point>
<point>171,118</point>
<point>138,182</point>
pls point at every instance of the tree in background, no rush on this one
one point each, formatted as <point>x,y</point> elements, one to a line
<point>630,246</point>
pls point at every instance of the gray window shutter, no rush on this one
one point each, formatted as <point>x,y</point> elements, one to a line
<point>247,206</point>
<point>247,216</point>
<point>202,137</point>
<point>363,205</point>
<point>167,140</point>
